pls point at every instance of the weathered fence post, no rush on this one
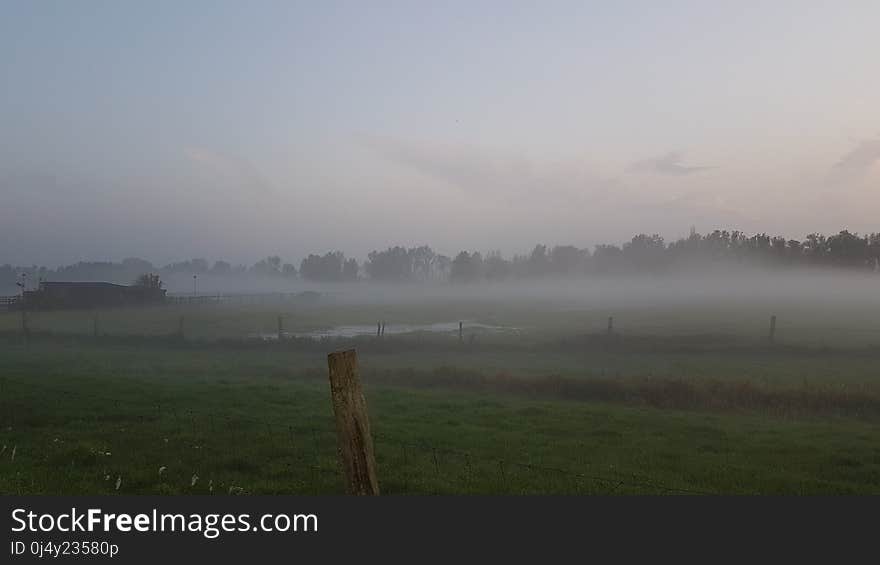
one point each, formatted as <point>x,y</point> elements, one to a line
<point>610,325</point>
<point>383,328</point>
<point>378,329</point>
<point>772,335</point>
<point>352,424</point>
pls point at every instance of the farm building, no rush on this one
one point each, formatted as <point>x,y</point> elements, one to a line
<point>90,295</point>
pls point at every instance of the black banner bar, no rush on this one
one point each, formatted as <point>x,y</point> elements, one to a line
<point>330,529</point>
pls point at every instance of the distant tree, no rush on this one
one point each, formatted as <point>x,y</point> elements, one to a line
<point>539,261</point>
<point>644,253</point>
<point>568,260</point>
<point>422,262</point>
<point>399,264</point>
<point>466,267</point>
<point>795,251</point>
<point>607,259</point>
<point>848,250</point>
<point>148,280</point>
<point>350,270</point>
<point>497,268</point>
<point>442,267</point>
<point>221,268</point>
<point>873,251</point>
<point>270,266</point>
<point>288,270</point>
<point>327,268</point>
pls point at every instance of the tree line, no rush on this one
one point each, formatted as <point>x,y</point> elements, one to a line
<point>642,254</point>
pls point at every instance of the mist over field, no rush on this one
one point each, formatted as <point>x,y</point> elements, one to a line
<point>712,270</point>
<point>568,247</point>
<point>760,285</point>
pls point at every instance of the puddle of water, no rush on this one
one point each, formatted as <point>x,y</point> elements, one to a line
<point>392,329</point>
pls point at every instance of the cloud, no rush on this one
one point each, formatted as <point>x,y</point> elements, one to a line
<point>563,186</point>
<point>711,207</point>
<point>496,174</point>
<point>856,163</point>
<point>668,164</point>
<point>230,171</point>
<point>460,165</point>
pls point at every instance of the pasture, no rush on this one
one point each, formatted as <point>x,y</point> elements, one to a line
<point>678,399</point>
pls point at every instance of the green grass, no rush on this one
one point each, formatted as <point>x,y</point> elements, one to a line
<point>258,420</point>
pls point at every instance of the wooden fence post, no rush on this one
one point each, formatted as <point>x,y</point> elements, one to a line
<point>772,335</point>
<point>352,424</point>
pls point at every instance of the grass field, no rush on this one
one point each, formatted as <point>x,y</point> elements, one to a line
<point>674,402</point>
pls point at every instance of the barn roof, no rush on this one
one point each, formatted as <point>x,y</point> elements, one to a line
<point>81,284</point>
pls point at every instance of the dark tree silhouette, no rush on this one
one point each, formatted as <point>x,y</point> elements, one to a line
<point>148,280</point>
<point>642,254</point>
<point>331,267</point>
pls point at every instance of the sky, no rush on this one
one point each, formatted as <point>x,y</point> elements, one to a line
<point>236,130</point>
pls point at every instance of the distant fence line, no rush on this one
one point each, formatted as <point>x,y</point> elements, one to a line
<point>599,333</point>
<point>186,331</point>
